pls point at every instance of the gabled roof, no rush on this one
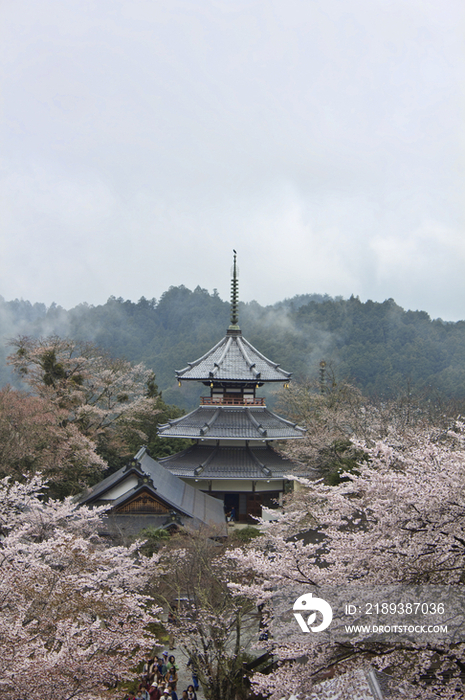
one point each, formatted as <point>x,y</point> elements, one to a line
<point>362,684</point>
<point>233,359</point>
<point>356,684</point>
<point>147,474</point>
<point>218,462</point>
<point>232,423</point>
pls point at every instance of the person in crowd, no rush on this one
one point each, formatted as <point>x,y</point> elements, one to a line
<point>191,694</point>
<point>161,668</point>
<point>169,694</point>
<point>171,677</point>
<point>148,671</point>
<point>172,662</point>
<point>171,623</point>
<point>155,693</point>
<point>172,693</point>
<point>195,680</point>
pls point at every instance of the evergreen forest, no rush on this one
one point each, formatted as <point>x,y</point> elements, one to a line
<point>381,348</point>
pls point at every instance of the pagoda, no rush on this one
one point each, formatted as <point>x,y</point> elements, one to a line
<point>232,457</point>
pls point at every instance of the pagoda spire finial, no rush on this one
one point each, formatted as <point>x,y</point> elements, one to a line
<point>234,297</point>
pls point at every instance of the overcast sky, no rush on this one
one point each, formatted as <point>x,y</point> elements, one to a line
<point>143,140</point>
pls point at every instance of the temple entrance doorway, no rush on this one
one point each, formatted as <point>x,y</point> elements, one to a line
<point>231,500</point>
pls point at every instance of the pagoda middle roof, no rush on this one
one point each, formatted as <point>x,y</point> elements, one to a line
<point>232,423</point>
<point>233,359</point>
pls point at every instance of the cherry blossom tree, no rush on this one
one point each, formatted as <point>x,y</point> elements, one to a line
<point>338,418</point>
<point>73,616</point>
<point>214,627</point>
<point>399,520</point>
<point>96,389</point>
<point>35,436</point>
<point>98,406</point>
<point>332,414</point>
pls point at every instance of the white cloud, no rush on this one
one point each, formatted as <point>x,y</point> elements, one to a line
<point>143,141</point>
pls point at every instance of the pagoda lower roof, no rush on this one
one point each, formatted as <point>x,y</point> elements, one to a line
<point>233,359</point>
<point>231,423</point>
<point>217,462</point>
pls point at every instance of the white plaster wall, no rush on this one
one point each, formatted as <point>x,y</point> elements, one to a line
<point>239,442</point>
<point>236,485</point>
<point>121,488</point>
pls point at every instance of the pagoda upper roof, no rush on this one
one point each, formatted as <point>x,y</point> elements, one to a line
<point>233,359</point>
<point>232,423</point>
<point>218,462</point>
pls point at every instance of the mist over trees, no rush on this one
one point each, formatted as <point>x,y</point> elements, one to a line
<point>84,413</point>
<point>379,347</point>
<point>380,439</point>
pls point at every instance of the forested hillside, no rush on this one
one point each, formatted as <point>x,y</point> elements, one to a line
<point>380,347</point>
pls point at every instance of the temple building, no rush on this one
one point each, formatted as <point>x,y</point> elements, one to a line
<point>143,494</point>
<point>232,457</point>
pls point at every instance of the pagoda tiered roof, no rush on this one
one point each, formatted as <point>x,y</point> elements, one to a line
<point>232,423</point>
<point>221,462</point>
<point>233,359</point>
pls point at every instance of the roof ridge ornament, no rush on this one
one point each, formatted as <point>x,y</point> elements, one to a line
<point>133,464</point>
<point>234,297</point>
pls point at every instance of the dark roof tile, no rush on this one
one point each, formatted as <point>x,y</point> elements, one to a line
<point>210,462</point>
<point>233,359</point>
<point>233,423</point>
<point>168,487</point>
